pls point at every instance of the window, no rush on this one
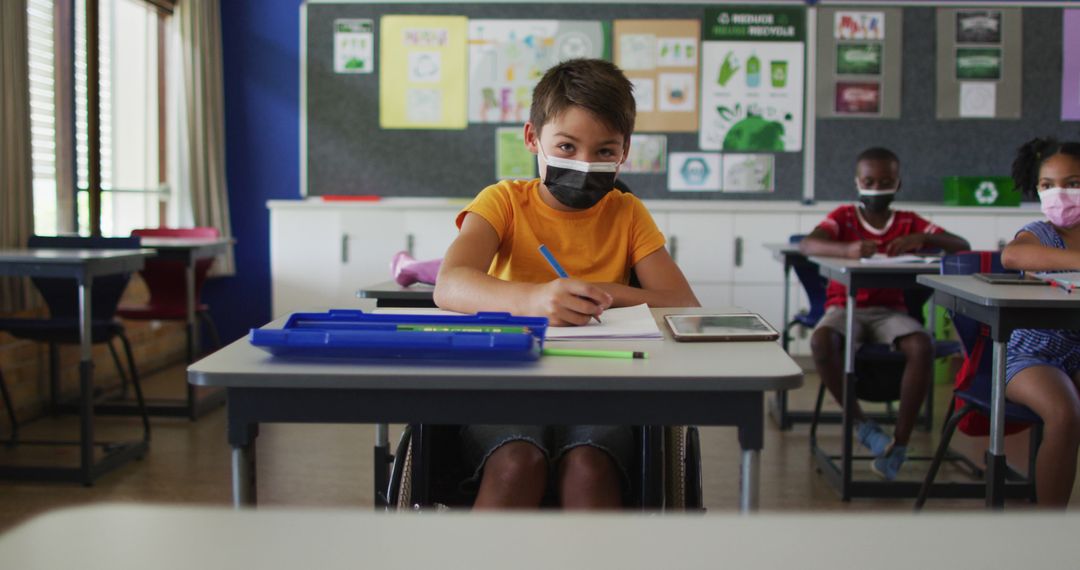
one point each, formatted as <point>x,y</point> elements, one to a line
<point>131,95</point>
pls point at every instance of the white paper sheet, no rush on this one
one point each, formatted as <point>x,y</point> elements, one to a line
<point>621,323</point>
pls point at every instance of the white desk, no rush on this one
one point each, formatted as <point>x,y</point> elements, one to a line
<point>119,537</point>
<point>679,384</point>
<point>1004,308</point>
<point>82,265</point>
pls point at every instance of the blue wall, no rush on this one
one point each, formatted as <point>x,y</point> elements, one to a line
<point>261,41</point>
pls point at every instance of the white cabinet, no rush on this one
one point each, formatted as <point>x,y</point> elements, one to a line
<point>978,230</point>
<point>702,245</point>
<point>305,258</point>
<point>753,263</point>
<point>368,241</point>
<point>429,232</point>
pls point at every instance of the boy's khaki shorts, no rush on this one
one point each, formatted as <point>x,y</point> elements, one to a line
<point>872,324</point>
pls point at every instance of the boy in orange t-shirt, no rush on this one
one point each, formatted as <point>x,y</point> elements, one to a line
<point>579,127</point>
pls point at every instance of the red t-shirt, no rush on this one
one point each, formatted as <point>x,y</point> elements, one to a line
<point>846,224</point>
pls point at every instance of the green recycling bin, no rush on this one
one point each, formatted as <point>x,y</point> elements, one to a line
<point>980,191</point>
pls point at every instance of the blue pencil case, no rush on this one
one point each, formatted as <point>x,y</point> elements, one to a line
<point>355,334</point>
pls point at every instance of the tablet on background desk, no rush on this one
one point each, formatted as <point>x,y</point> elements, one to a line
<point>727,327</point>
<point>1008,279</point>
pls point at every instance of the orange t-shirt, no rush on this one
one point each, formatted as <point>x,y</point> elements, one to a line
<point>600,244</point>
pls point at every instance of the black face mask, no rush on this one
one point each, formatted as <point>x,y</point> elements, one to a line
<point>877,204</point>
<point>576,184</point>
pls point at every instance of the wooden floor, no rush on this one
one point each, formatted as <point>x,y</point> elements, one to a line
<point>330,465</point>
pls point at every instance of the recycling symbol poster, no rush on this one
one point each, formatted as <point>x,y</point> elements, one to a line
<point>752,69</point>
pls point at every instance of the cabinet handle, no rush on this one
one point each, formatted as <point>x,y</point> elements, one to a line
<point>673,247</point>
<point>738,251</point>
<point>410,241</point>
<point>1001,244</point>
<point>344,248</point>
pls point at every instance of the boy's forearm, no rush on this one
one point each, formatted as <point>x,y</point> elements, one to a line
<point>949,242</point>
<point>824,247</point>
<point>468,290</point>
<point>1035,257</point>
<point>627,296</point>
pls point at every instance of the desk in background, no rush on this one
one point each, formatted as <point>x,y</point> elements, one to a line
<point>719,384</point>
<point>390,294</point>
<point>112,537</point>
<point>1004,308</point>
<point>82,265</point>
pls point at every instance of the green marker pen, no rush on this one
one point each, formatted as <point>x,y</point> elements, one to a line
<point>463,328</point>
<point>628,354</point>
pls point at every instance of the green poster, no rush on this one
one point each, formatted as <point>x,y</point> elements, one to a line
<point>512,159</point>
<point>978,63</point>
<point>755,24</point>
<point>858,59</point>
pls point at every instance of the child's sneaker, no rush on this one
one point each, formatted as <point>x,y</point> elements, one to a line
<point>873,437</point>
<point>888,464</point>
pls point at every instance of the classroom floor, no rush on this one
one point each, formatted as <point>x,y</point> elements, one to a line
<point>330,465</point>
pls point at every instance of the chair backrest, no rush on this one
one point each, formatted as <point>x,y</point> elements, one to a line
<point>165,277</point>
<point>61,294</point>
<point>812,283</point>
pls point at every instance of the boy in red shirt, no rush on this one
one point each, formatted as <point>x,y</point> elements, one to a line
<point>861,230</point>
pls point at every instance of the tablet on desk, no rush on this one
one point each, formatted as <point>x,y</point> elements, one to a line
<point>1008,279</point>
<point>736,326</point>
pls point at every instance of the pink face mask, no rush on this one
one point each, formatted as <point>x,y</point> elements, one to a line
<point>1061,206</point>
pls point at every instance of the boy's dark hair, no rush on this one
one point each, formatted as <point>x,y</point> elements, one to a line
<point>878,153</point>
<point>595,85</point>
<point>1029,159</point>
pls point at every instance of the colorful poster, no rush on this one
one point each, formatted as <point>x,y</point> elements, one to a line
<point>862,98</point>
<point>1070,67</point>
<point>354,46</point>
<point>422,76</point>
<point>752,79</point>
<point>512,159</point>
<point>660,57</point>
<point>748,173</point>
<point>978,99</point>
<point>648,155</point>
<point>978,63</point>
<point>507,58</point>
<point>978,27</point>
<point>858,59</point>
<point>694,172</point>
<point>849,25</point>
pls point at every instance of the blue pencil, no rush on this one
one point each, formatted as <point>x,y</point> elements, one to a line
<point>555,265</point>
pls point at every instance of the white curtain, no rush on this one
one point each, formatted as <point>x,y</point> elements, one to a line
<point>16,178</point>
<point>199,178</point>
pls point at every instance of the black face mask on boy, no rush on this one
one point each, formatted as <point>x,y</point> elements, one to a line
<point>876,201</point>
<point>577,184</point>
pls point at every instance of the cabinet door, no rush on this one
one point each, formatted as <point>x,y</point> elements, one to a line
<point>763,299</point>
<point>1006,226</point>
<point>712,295</point>
<point>305,265</point>
<point>979,229</point>
<point>702,245</point>
<point>754,263</point>
<point>429,232</point>
<point>367,242</point>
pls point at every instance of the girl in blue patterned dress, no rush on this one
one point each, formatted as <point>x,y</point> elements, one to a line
<point>1043,366</point>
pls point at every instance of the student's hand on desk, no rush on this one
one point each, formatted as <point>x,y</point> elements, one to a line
<point>568,302</point>
<point>906,244</point>
<point>864,248</point>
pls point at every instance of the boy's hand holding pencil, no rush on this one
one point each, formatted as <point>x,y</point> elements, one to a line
<point>568,302</point>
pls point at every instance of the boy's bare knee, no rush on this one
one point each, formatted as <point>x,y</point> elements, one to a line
<point>916,346</point>
<point>588,467</point>
<point>515,463</point>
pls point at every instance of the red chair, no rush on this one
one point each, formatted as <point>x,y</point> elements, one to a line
<point>165,279</point>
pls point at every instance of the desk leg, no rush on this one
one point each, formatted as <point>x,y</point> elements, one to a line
<point>193,344</point>
<point>381,458</point>
<point>849,395</point>
<point>780,408</point>
<point>928,424</point>
<point>995,456</point>
<point>86,384</point>
<point>749,481</point>
<point>242,439</point>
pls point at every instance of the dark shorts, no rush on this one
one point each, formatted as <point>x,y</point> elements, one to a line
<point>480,441</point>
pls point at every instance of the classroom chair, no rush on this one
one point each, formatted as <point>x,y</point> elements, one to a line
<point>62,325</point>
<point>973,383</point>
<point>426,470</point>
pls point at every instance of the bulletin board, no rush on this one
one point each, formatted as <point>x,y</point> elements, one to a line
<point>345,151</point>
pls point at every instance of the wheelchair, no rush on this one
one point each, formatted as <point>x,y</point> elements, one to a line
<point>426,469</point>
